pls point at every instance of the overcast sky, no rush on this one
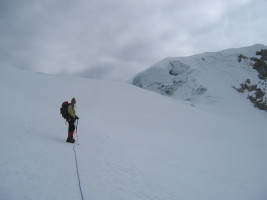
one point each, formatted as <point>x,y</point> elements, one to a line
<point>115,39</point>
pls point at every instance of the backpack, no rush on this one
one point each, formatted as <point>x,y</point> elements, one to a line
<point>64,110</point>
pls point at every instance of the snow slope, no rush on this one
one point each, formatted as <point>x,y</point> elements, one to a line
<point>204,77</point>
<point>133,144</point>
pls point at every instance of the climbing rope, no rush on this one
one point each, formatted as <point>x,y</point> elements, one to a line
<point>76,161</point>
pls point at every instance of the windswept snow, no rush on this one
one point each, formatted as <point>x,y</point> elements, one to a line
<point>134,144</point>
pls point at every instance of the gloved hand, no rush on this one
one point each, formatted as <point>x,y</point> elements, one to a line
<point>76,117</point>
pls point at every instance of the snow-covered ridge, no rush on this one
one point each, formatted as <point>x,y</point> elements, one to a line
<point>201,76</point>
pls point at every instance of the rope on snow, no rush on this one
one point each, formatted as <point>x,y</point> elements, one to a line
<point>76,162</point>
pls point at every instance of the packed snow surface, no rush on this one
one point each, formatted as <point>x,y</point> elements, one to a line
<point>133,144</point>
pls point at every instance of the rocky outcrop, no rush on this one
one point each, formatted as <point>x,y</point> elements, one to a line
<point>256,93</point>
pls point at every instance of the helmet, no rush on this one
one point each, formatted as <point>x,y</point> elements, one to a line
<point>73,100</point>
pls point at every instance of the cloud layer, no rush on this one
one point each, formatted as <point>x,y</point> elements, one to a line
<point>114,39</point>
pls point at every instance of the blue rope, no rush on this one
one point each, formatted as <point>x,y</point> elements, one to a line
<point>77,170</point>
<point>76,162</point>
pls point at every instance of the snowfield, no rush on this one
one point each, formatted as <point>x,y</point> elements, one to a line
<point>134,144</point>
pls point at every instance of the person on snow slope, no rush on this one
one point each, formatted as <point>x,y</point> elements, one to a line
<point>71,120</point>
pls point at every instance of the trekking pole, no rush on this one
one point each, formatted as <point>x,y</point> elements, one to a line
<point>76,131</point>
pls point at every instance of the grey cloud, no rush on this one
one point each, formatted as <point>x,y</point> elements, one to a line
<point>113,38</point>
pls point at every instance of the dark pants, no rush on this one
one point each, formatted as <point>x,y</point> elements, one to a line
<point>71,127</point>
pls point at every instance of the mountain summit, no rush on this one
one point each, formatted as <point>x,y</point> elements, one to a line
<point>204,77</point>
